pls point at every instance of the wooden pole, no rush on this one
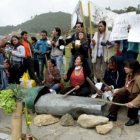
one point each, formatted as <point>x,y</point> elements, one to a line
<point>69,92</point>
<point>83,18</point>
<point>93,86</point>
<point>89,14</point>
<point>17,122</point>
<point>47,63</point>
<point>90,25</point>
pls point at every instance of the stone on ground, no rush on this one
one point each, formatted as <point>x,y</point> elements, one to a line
<point>91,121</point>
<point>67,120</point>
<point>104,129</point>
<point>4,136</point>
<point>44,119</point>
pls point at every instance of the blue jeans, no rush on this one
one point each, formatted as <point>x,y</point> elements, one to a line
<point>56,87</point>
<point>64,64</point>
<point>71,63</point>
<point>41,63</point>
<point>59,62</point>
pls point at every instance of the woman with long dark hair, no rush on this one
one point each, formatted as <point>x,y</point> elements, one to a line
<point>16,69</point>
<point>82,47</point>
<point>102,49</point>
<point>52,77</point>
<point>77,76</point>
<point>129,94</point>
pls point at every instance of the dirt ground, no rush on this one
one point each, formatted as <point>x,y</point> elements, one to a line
<point>58,132</point>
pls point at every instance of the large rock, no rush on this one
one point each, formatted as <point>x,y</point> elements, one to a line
<point>59,105</point>
<point>104,129</point>
<point>44,119</point>
<point>90,121</point>
<point>67,120</point>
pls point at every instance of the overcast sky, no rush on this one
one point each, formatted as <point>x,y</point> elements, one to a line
<point>13,12</point>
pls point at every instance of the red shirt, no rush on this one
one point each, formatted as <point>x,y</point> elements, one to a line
<point>76,80</point>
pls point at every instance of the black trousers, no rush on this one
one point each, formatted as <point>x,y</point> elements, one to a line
<point>82,91</point>
<point>16,72</point>
<point>124,98</point>
<point>29,65</point>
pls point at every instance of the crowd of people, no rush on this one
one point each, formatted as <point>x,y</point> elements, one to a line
<point>120,70</point>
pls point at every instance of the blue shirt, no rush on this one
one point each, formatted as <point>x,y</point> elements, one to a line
<point>42,46</point>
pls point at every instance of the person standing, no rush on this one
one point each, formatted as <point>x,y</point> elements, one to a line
<point>102,49</point>
<point>57,47</point>
<point>29,56</point>
<point>79,28</point>
<point>33,42</point>
<point>16,69</point>
<point>3,65</point>
<point>42,47</point>
<point>129,50</point>
<point>72,39</point>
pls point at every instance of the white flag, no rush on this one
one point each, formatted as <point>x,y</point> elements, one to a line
<point>98,13</point>
<point>76,16</point>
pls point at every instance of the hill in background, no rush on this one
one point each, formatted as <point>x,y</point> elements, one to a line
<point>50,20</point>
<point>41,22</point>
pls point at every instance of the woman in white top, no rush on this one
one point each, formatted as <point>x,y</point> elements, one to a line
<point>102,49</point>
<point>16,60</point>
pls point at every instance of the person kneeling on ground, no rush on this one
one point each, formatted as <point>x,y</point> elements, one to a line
<point>52,76</point>
<point>77,76</point>
<point>130,94</point>
<point>114,77</point>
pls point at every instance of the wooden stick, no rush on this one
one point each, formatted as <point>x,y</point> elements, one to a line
<point>47,64</point>
<point>98,77</point>
<point>90,27</point>
<point>110,102</point>
<point>46,61</point>
<point>69,92</point>
<point>37,77</point>
<point>92,85</point>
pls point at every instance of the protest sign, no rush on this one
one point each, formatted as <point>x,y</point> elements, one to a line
<point>121,22</point>
<point>99,13</point>
<point>134,33</point>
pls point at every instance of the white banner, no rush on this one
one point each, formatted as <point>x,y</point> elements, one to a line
<point>98,13</point>
<point>121,22</point>
<point>134,33</point>
<point>76,16</point>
